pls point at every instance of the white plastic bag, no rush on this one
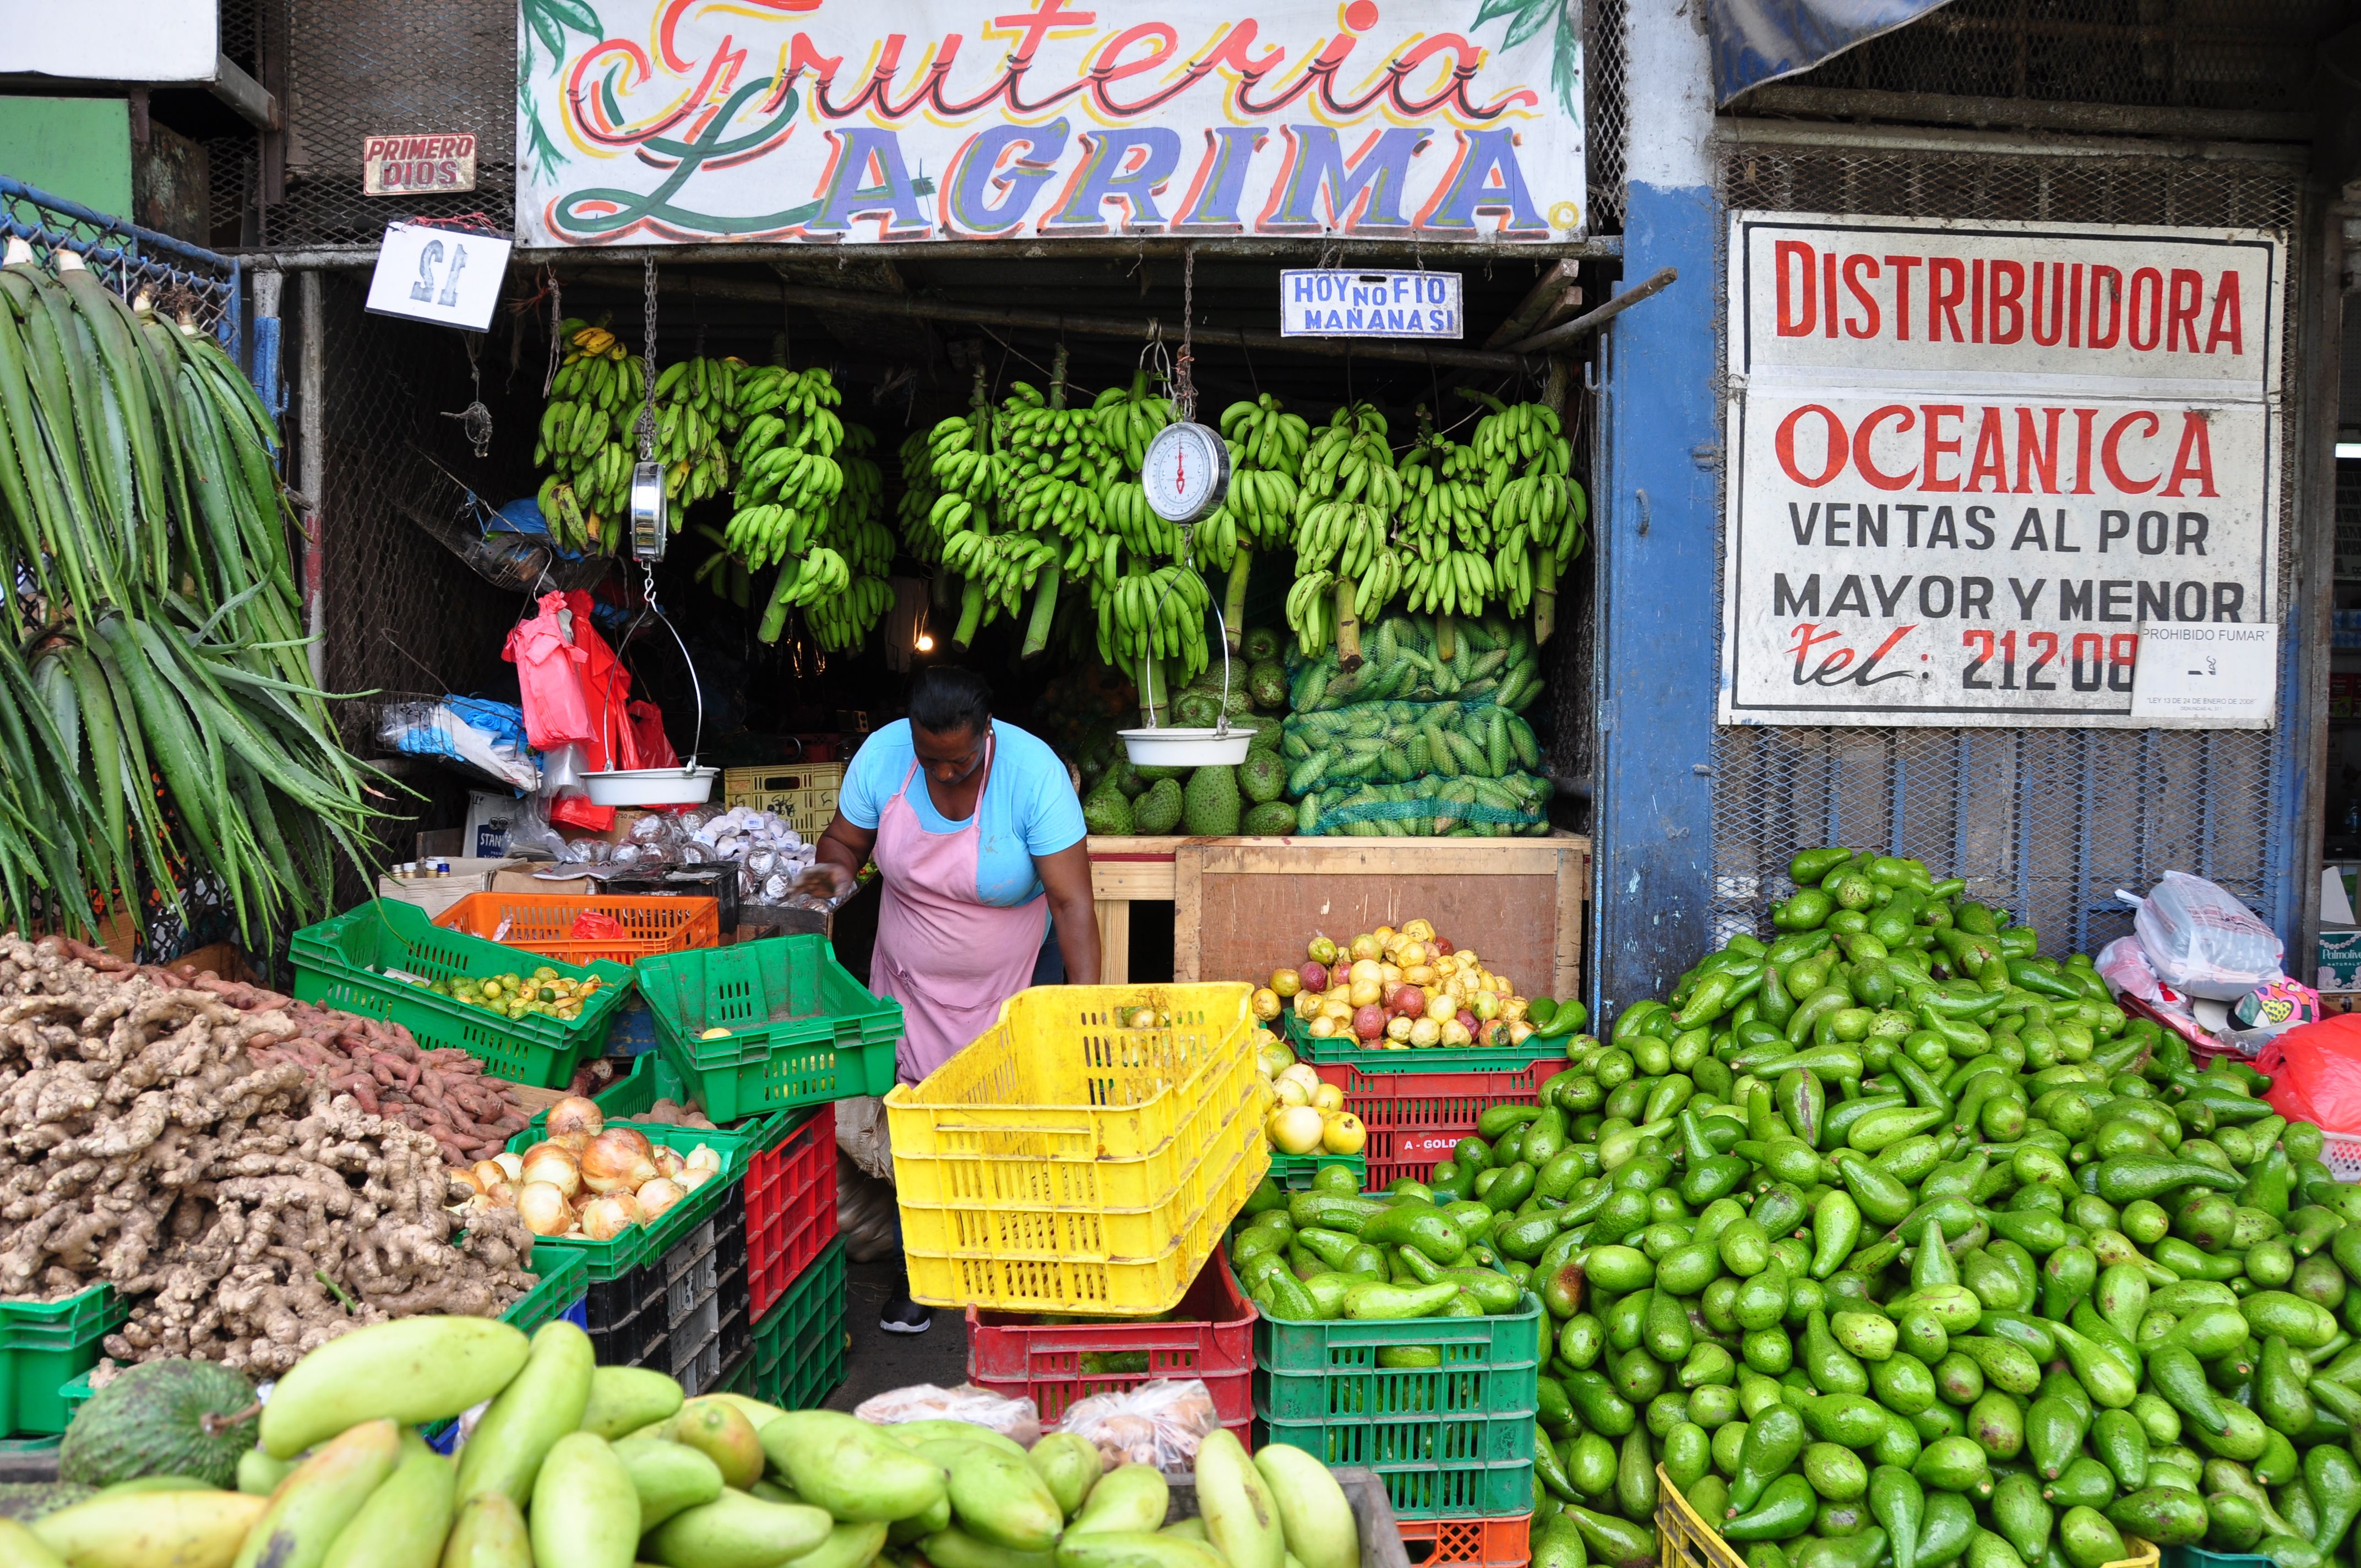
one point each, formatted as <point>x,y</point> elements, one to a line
<point>2123,964</point>
<point>1019,1419</point>
<point>2201,941</point>
<point>1159,1422</point>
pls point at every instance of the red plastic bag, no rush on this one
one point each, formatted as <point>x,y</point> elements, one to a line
<point>2316,1073</point>
<point>549,674</point>
<point>648,730</point>
<point>595,925</point>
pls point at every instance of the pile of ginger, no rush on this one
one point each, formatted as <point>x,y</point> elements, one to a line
<point>245,1210</point>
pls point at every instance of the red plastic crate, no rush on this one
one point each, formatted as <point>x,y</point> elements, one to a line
<point>1414,1118</point>
<point>1467,1543</point>
<point>790,1207</point>
<point>1210,1336</point>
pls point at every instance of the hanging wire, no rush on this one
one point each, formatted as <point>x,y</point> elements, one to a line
<point>1184,384</point>
<point>556,337</point>
<point>647,424</point>
<point>475,419</point>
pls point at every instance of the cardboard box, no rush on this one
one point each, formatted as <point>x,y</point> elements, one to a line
<point>2339,959</point>
<point>436,894</point>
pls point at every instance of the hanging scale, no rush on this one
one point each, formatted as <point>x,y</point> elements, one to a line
<point>1186,471</point>
<point>650,530</point>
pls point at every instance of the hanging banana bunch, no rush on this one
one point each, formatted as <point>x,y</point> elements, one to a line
<point>1267,446</point>
<point>1447,525</point>
<point>586,439</point>
<point>1538,516</point>
<point>857,533</point>
<point>722,572</point>
<point>788,478</point>
<point>697,408</point>
<point>1062,467</point>
<point>919,497</point>
<point>1150,617</point>
<point>1129,419</point>
<point>1347,493</point>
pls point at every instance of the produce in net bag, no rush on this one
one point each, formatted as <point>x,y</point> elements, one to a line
<point>1421,658</point>
<point>1018,1418</point>
<point>2200,940</point>
<point>1159,1422</point>
<point>1393,743</point>
<point>1431,807</point>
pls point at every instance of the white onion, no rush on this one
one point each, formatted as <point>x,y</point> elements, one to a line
<point>574,1141</point>
<point>466,1178</point>
<point>543,1208</point>
<point>554,1166</point>
<point>488,1174</point>
<point>614,1163</point>
<point>669,1163</point>
<point>509,1161</point>
<point>608,1216</point>
<point>659,1195</point>
<point>575,1114</point>
<point>693,1177</point>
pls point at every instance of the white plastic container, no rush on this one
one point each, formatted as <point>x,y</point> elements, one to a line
<point>690,785</point>
<point>1186,747</point>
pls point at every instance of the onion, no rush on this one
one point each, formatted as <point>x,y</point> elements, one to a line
<point>488,1174</point>
<point>466,1178</point>
<point>704,1155</point>
<point>669,1163</point>
<point>691,1177</point>
<point>500,1195</point>
<point>575,1114</point>
<point>549,1163</point>
<point>659,1195</point>
<point>609,1216</point>
<point>615,1163</point>
<point>543,1208</point>
<point>511,1162</point>
<point>572,1143</point>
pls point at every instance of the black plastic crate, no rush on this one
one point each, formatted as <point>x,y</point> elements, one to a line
<point>637,1341</point>
<point>611,1303</point>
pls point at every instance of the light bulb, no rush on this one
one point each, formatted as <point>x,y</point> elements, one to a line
<point>926,643</point>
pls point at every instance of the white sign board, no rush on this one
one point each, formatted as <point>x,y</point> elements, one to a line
<point>1330,302</point>
<point>434,164</point>
<point>1970,460</point>
<point>655,122</point>
<point>2225,678</point>
<point>114,40</point>
<point>449,277</point>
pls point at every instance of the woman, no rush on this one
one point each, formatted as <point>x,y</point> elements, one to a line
<point>978,838</point>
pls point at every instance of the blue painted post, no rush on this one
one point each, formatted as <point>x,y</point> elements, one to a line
<point>1657,672</point>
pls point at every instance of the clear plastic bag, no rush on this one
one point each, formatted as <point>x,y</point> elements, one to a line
<point>1159,1422</point>
<point>1016,1419</point>
<point>2200,940</point>
<point>2123,964</point>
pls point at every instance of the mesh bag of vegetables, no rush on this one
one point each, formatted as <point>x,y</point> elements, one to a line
<point>1394,742</point>
<point>1424,658</point>
<point>1429,807</point>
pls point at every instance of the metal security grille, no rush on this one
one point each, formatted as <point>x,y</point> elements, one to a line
<point>2049,823</point>
<point>2204,54</point>
<point>371,68</point>
<point>1604,109</point>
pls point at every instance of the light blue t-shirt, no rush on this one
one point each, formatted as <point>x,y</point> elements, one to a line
<point>1029,806</point>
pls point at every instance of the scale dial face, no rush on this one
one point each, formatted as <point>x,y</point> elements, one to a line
<point>1186,473</point>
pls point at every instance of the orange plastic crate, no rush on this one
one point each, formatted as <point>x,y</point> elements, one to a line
<point>542,923</point>
<point>1467,1543</point>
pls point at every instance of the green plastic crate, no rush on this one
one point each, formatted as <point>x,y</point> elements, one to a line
<point>341,963</point>
<point>802,1030</point>
<point>643,1243</point>
<point>1336,1052</point>
<point>1455,1441</point>
<point>797,1358</point>
<point>43,1345</point>
<point>1294,1172</point>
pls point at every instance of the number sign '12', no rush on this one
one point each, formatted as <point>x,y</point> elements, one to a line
<point>449,277</point>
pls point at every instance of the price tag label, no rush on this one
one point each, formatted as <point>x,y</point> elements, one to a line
<point>449,277</point>
<point>2193,675</point>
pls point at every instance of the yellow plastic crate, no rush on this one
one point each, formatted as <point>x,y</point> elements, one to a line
<point>1060,1078</point>
<point>1066,1162</point>
<point>1078,1284</point>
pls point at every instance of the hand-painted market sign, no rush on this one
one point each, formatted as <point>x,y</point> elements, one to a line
<point>1327,301</point>
<point>698,121</point>
<point>1971,461</point>
<point>439,164</point>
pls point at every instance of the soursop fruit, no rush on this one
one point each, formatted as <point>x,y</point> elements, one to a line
<point>1158,811</point>
<point>1270,820</point>
<point>1267,683</point>
<point>1196,709</point>
<point>1262,777</point>
<point>1259,644</point>
<point>1212,806</point>
<point>150,1422</point>
<point>1107,810</point>
<point>1127,778</point>
<point>1156,775</point>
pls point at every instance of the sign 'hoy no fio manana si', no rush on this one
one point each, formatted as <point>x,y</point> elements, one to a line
<point>658,122</point>
<point>1329,303</point>
<point>1970,460</point>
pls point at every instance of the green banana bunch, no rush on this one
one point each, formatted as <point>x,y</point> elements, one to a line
<point>695,409</point>
<point>843,620</point>
<point>918,497</point>
<point>856,532</point>
<point>722,572</point>
<point>804,580</point>
<point>1263,437</point>
<point>788,478</point>
<point>586,441</point>
<point>1129,419</point>
<point>1147,616</point>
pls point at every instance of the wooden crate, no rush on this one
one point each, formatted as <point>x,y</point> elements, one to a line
<point>1244,906</point>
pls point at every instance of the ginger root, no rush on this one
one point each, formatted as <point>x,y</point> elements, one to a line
<point>217,1152</point>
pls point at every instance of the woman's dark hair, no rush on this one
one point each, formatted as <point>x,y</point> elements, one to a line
<point>945,699</point>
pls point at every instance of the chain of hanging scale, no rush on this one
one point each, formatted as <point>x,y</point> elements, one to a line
<point>649,526</point>
<point>1184,409</point>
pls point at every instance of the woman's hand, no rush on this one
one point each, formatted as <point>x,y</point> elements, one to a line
<point>824,878</point>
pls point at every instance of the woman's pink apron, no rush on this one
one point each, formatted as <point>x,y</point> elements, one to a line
<point>949,960</point>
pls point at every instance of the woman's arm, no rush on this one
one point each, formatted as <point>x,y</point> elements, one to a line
<point>838,858</point>
<point>1066,878</point>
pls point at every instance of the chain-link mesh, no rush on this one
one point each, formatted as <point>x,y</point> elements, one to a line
<point>181,279</point>
<point>1604,111</point>
<point>362,69</point>
<point>2204,54</point>
<point>2049,823</point>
